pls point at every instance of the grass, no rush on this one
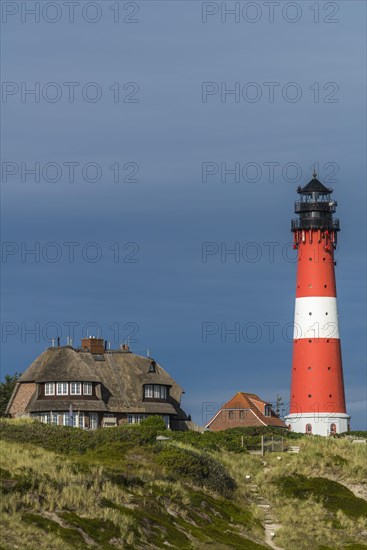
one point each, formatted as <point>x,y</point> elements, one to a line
<point>69,536</point>
<point>119,499</point>
<point>333,495</point>
<point>118,488</point>
<point>99,530</point>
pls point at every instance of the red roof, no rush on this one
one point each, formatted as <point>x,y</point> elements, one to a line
<point>252,402</point>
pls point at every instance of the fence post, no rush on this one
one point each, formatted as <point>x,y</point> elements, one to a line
<point>241,440</point>
<point>262,445</point>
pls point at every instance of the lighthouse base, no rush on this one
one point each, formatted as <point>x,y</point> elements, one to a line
<point>318,424</point>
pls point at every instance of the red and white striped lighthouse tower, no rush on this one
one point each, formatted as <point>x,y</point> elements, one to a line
<point>317,402</point>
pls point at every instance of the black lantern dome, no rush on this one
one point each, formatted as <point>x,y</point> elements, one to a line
<point>315,207</point>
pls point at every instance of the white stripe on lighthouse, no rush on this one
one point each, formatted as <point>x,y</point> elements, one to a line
<point>316,317</point>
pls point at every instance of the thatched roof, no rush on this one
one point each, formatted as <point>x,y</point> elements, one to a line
<point>61,364</point>
<point>121,374</point>
<point>56,405</point>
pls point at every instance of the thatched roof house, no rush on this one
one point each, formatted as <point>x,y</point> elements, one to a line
<point>92,387</point>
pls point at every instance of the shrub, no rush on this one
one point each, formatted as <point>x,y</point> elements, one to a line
<point>149,428</point>
<point>67,440</point>
<point>200,468</point>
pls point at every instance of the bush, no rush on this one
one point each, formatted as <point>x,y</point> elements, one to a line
<point>200,468</point>
<point>150,428</point>
<point>64,439</point>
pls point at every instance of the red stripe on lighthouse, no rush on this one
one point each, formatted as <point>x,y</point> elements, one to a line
<point>315,273</point>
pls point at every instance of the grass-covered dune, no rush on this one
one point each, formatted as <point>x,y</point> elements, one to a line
<point>64,488</point>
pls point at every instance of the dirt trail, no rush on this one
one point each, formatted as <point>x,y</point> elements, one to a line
<point>269,523</point>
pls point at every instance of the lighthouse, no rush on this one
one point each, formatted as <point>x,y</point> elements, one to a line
<point>317,400</point>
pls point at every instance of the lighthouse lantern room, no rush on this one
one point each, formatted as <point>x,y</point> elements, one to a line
<point>317,401</point>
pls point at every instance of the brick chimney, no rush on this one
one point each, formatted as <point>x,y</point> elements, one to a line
<point>94,345</point>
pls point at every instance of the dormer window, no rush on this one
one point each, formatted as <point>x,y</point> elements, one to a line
<point>87,388</point>
<point>267,410</point>
<point>62,388</point>
<point>148,391</point>
<point>155,391</point>
<point>75,388</point>
<point>68,388</point>
<point>49,388</point>
<point>152,366</point>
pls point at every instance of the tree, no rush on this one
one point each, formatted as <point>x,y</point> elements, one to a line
<point>279,404</point>
<point>6,390</point>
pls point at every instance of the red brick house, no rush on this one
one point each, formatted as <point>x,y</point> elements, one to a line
<point>245,409</point>
<point>91,387</point>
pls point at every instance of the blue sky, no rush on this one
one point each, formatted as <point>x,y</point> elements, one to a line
<point>128,255</point>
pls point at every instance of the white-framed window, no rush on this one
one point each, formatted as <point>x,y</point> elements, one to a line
<point>81,420</point>
<point>50,388</point>
<point>148,391</point>
<point>55,418</point>
<point>155,391</point>
<point>93,421</point>
<point>78,420</point>
<point>87,388</point>
<point>45,418</point>
<point>75,388</point>
<point>135,418</point>
<point>160,392</point>
<point>75,419</point>
<point>62,388</point>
